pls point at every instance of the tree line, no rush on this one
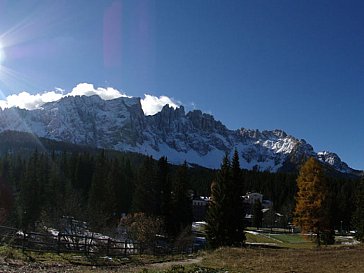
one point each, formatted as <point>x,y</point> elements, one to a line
<point>319,202</point>
<point>98,187</point>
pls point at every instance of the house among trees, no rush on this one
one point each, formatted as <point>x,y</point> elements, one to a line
<point>252,197</point>
<point>199,208</point>
<point>253,201</point>
<point>200,205</point>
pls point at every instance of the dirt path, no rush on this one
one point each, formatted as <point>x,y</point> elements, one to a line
<point>24,267</point>
<point>164,265</point>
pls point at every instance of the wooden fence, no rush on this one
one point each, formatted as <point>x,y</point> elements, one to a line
<point>62,243</point>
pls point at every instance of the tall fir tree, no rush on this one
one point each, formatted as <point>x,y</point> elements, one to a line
<point>312,211</point>
<point>225,217</point>
<point>163,186</point>
<point>257,214</point>
<point>358,217</point>
<point>101,201</point>
<point>128,186</point>
<point>163,193</point>
<point>236,213</point>
<point>181,201</point>
<point>116,181</point>
<point>83,172</point>
<point>30,196</point>
<point>54,194</point>
<point>144,194</point>
<point>6,201</point>
<point>217,229</point>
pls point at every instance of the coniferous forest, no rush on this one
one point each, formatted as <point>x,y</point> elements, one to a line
<point>100,186</point>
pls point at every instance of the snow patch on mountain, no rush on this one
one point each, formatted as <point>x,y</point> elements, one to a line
<point>334,160</point>
<point>24,100</point>
<point>196,137</point>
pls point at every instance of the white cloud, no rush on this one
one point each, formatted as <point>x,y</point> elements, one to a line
<point>87,89</point>
<point>152,104</point>
<point>3,104</point>
<point>28,101</point>
<point>61,90</point>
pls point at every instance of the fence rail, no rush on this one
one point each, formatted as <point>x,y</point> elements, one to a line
<point>62,243</point>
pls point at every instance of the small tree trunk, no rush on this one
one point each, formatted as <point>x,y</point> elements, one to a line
<point>318,241</point>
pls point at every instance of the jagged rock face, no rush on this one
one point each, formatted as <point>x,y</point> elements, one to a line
<point>333,160</point>
<point>195,131</point>
<point>81,120</point>
<point>196,137</point>
<point>205,122</point>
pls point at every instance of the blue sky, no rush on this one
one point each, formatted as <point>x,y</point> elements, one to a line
<point>292,65</point>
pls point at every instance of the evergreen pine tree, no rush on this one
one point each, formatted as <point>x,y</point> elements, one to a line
<point>116,178</point>
<point>144,194</point>
<point>6,201</point>
<point>54,194</point>
<point>257,214</point>
<point>225,217</point>
<point>217,229</point>
<point>163,193</point>
<point>82,173</point>
<point>30,202</point>
<point>358,217</point>
<point>100,202</point>
<point>182,203</point>
<point>127,186</point>
<point>236,213</point>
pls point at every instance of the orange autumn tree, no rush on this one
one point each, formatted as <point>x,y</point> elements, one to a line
<point>312,213</point>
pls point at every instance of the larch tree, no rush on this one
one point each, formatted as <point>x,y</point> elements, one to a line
<point>311,212</point>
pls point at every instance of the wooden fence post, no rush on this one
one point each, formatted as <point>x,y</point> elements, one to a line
<point>59,243</point>
<point>125,246</point>
<point>24,237</point>
<point>86,250</point>
<point>108,246</point>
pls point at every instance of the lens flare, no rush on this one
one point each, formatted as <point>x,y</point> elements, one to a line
<point>2,54</point>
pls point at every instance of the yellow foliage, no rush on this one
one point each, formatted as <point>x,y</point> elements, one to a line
<point>311,213</point>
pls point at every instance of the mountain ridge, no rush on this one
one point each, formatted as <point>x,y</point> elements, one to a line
<point>195,136</point>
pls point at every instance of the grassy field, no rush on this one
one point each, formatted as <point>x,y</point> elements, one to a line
<point>259,239</point>
<point>338,259</point>
<point>324,260</point>
<point>287,240</point>
<point>258,260</point>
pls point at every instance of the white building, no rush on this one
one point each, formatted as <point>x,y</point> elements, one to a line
<point>251,197</point>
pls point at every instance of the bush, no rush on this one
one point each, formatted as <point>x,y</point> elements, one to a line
<point>142,228</point>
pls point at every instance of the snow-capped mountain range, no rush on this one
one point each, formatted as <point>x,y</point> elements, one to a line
<point>196,137</point>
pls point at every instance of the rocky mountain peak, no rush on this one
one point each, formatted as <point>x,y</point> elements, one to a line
<point>205,122</point>
<point>196,136</point>
<point>170,113</point>
<point>333,160</point>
